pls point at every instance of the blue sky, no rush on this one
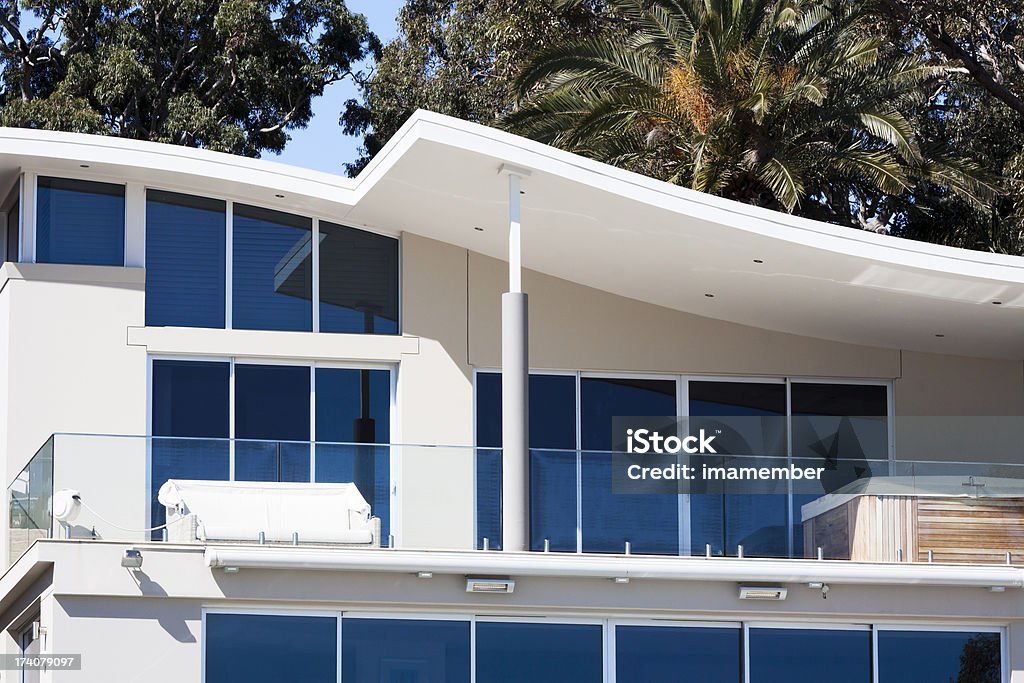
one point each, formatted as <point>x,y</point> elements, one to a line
<point>322,146</point>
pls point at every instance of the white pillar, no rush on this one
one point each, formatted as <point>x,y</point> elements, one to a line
<point>515,369</point>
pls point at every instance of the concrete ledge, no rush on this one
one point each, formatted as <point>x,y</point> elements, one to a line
<point>109,276</point>
<point>272,344</point>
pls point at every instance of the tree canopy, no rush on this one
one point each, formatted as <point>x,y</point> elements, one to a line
<point>228,75</point>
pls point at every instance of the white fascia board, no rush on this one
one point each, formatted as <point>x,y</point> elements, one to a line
<point>609,566</point>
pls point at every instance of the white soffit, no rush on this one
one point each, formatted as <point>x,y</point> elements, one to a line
<point>606,228</point>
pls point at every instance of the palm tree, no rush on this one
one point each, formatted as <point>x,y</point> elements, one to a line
<point>787,104</point>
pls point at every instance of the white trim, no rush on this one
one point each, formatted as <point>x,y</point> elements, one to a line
<point>134,225</point>
<point>793,625</point>
<point>27,239</point>
<point>314,246</point>
<point>229,268</point>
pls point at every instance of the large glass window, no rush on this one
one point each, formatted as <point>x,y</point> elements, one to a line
<point>538,653</point>
<point>272,409</point>
<point>939,657</point>
<point>190,424</point>
<point>272,270</point>
<point>260,648</point>
<point>669,653</point>
<point>798,655</point>
<point>358,281</point>
<point>755,425</point>
<point>184,260</point>
<point>79,221</point>
<point>12,225</point>
<point>353,417</point>
<point>650,522</point>
<point>405,651</point>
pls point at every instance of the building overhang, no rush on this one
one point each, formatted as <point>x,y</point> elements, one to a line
<point>574,566</point>
<point>606,228</point>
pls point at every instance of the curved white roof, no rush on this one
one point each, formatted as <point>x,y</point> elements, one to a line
<point>607,228</point>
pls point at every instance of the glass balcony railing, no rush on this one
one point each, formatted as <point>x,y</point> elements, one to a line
<point>859,509</point>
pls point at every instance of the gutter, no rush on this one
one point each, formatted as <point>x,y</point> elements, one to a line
<point>552,565</point>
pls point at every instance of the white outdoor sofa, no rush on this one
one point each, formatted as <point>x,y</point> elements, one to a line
<point>270,512</point>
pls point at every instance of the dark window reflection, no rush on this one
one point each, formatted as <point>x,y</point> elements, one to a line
<point>79,221</point>
<point>538,653</point>
<point>12,228</point>
<point>184,260</point>
<point>659,653</point>
<point>405,651</point>
<point>752,419</point>
<point>190,401</point>
<point>262,648</point>
<point>271,406</point>
<point>272,270</point>
<point>358,281</point>
<point>782,655</point>
<point>939,657</point>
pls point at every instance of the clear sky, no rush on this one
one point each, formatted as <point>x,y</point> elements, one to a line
<point>322,146</point>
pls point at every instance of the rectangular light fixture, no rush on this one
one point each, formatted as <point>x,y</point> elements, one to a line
<point>489,585</point>
<point>762,593</point>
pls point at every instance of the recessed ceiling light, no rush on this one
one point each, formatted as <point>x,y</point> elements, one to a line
<point>757,260</point>
<point>997,303</point>
<point>940,335</point>
<point>83,165</point>
<point>279,196</point>
<point>709,295</point>
<point>478,228</point>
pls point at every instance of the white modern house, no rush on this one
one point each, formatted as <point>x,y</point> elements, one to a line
<point>260,423</point>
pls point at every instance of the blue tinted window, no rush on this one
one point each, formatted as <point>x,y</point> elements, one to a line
<point>79,221</point>
<point>650,522</point>
<point>272,405</point>
<point>552,500</point>
<point>405,651</point>
<point>354,407</point>
<point>538,653</point>
<point>358,281</point>
<point>656,653</point>
<point>809,656</point>
<point>184,260</point>
<point>12,227</point>
<point>272,270</point>
<point>189,402</point>
<point>259,648</point>
<point>552,410</point>
<point>938,657</point>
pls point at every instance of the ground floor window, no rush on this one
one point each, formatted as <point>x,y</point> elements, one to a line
<point>460,649</point>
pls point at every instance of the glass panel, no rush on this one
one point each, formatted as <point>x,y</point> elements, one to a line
<point>650,522</point>
<point>938,657</point>
<point>354,406</point>
<point>13,224</point>
<point>272,270</point>
<point>552,411</point>
<point>29,497</point>
<point>271,403</point>
<point>552,426</point>
<point>758,522</point>
<point>259,648</point>
<point>842,427</point>
<point>780,655</point>
<point>656,653</point>
<point>79,221</point>
<point>405,651</point>
<point>553,500</point>
<point>190,400</point>
<point>184,260</point>
<point>358,281</point>
<point>538,653</point>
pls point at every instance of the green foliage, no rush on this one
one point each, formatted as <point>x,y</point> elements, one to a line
<point>228,75</point>
<point>457,57</point>
<point>790,105</point>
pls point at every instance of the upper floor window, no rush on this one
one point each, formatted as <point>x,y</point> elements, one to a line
<point>12,224</point>
<point>358,281</point>
<point>272,270</point>
<point>80,222</point>
<point>185,265</point>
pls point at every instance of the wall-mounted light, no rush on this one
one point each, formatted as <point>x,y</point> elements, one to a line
<point>763,593</point>
<point>489,585</point>
<point>621,579</point>
<point>424,575</point>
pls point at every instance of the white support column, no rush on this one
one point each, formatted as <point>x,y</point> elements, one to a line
<point>134,225</point>
<point>515,369</point>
